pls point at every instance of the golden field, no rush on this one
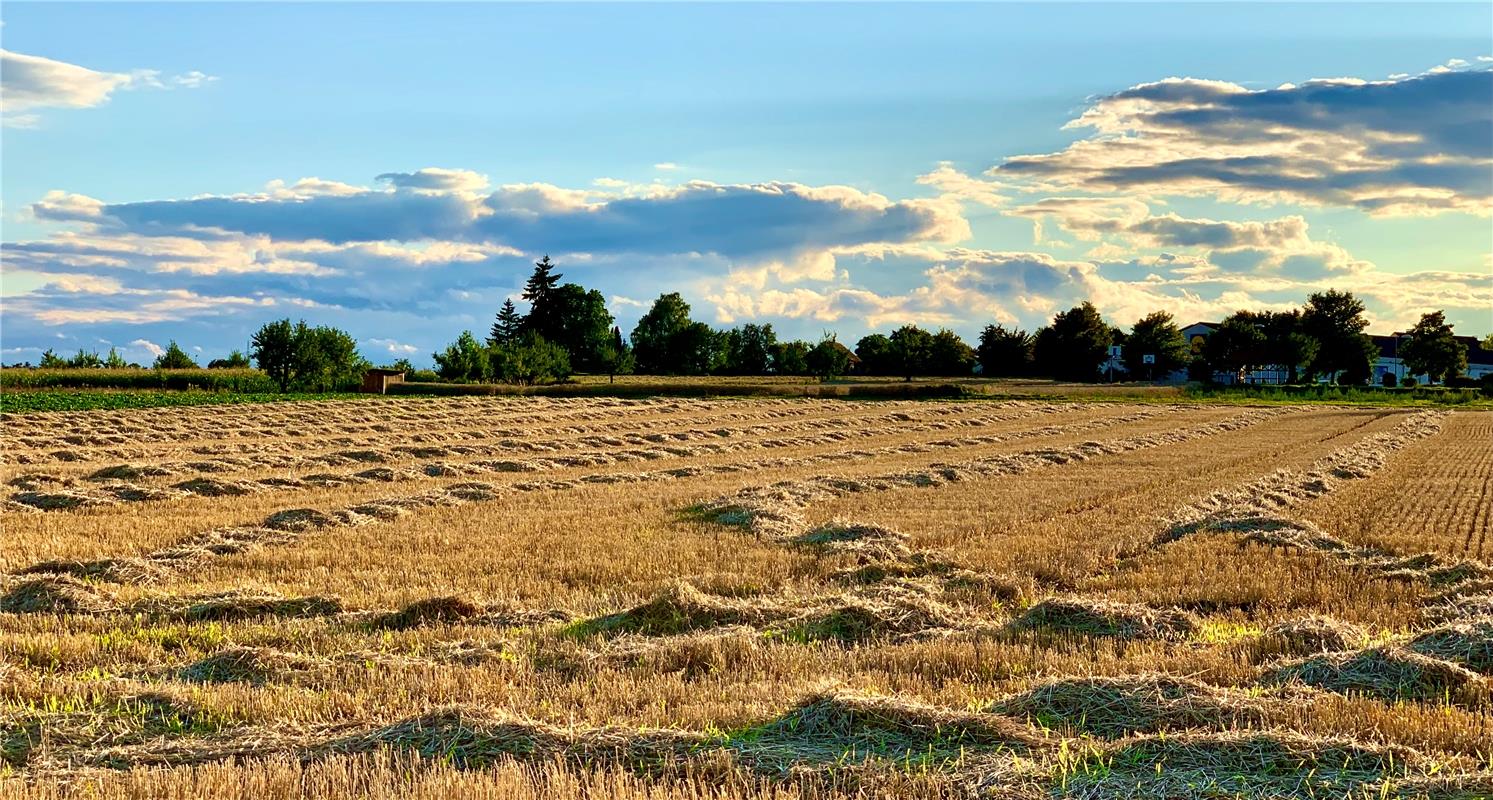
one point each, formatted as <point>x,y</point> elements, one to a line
<point>767,598</point>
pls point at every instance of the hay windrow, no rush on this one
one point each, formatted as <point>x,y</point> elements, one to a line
<point>1469,644</point>
<point>254,665</point>
<point>1112,707</point>
<point>835,726</point>
<point>1388,672</point>
<point>54,594</point>
<point>1309,636</point>
<point>431,611</point>
<point>1273,764</point>
<point>682,609</point>
<point>1107,618</point>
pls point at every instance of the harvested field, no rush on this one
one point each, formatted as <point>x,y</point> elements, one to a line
<point>771,598</point>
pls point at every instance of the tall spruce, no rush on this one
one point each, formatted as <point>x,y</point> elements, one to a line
<point>507,326</point>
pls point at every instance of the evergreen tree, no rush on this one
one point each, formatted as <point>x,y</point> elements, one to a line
<point>174,358</point>
<point>507,325</point>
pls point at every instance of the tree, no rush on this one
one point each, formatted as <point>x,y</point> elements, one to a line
<point>1286,344</point>
<point>273,348</point>
<point>911,349</point>
<point>1074,346</point>
<point>235,360</point>
<point>700,350</point>
<point>115,361</point>
<point>174,358</point>
<point>791,358</point>
<point>50,360</point>
<point>1487,342</point>
<point>1432,349</point>
<point>507,325</point>
<point>829,358</point>
<point>1336,321</point>
<point>948,355</point>
<point>1238,346</point>
<point>539,289</point>
<point>1158,336</point>
<point>618,356</point>
<point>749,349</point>
<point>578,321</point>
<point>528,359</point>
<point>86,359</point>
<point>658,337</point>
<point>1004,352</point>
<point>876,356</point>
<point>327,358</point>
<point>464,360</point>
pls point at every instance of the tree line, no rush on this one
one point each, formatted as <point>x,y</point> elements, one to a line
<point>569,328</point>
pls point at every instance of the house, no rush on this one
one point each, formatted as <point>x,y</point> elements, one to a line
<point>1388,361</point>
<point>1479,361</point>
<point>378,381</point>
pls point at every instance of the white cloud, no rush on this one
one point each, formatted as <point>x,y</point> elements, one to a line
<point>392,346</point>
<point>30,82</point>
<point>148,346</point>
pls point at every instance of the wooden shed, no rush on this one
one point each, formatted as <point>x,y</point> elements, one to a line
<point>378,381</point>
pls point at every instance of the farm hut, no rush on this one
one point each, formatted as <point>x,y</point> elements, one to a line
<point>378,381</point>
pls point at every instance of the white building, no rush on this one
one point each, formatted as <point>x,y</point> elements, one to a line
<point>1479,361</point>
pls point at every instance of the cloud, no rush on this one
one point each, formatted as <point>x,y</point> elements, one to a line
<point>762,220</point>
<point>954,183</point>
<point>666,166</point>
<point>33,82</point>
<point>1414,145</point>
<point>148,346</point>
<point>436,179</point>
<point>392,347</point>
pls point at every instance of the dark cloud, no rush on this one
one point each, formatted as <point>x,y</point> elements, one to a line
<point>1411,146</point>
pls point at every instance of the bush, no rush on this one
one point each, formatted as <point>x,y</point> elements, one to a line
<point>215,380</point>
<point>1409,382</point>
<point>530,360</point>
<point>1389,380</point>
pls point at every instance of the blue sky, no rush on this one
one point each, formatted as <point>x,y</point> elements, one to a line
<point>186,171</point>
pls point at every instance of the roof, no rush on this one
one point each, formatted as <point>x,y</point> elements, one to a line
<point>1389,347</point>
<point>382,371</point>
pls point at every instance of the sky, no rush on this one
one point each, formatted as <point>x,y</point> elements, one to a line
<point>188,172</point>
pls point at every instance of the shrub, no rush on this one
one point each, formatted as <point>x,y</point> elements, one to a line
<point>1409,382</point>
<point>1389,380</point>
